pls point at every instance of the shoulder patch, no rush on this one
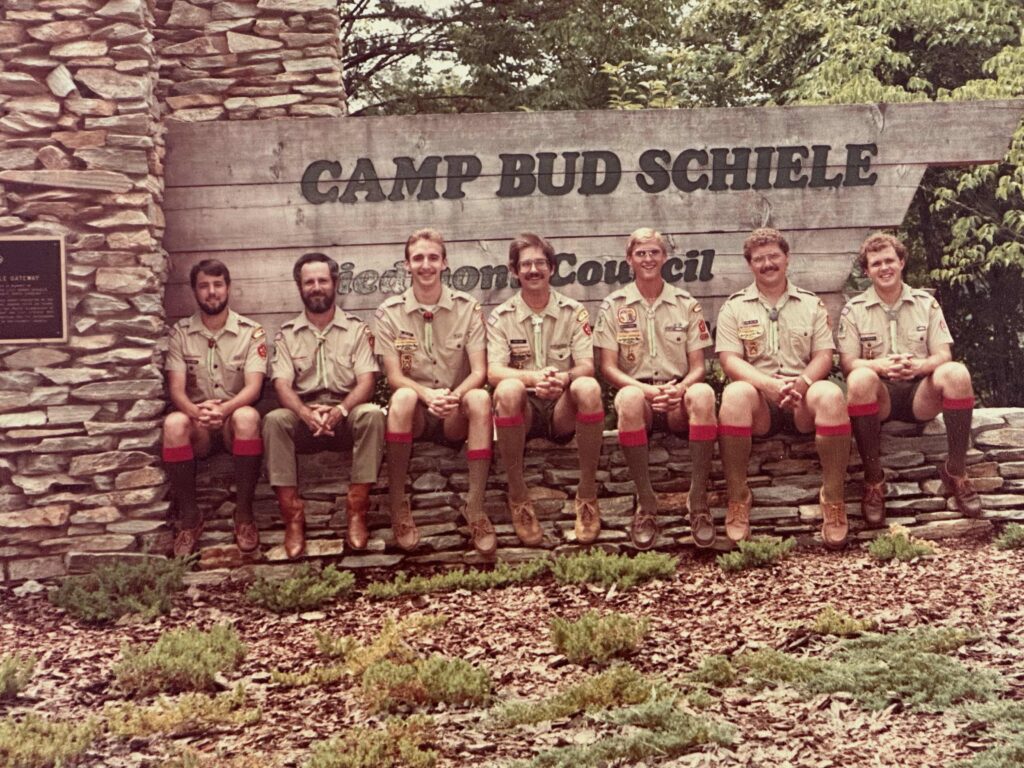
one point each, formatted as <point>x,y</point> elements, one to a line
<point>697,308</point>
<point>259,333</point>
<point>492,318</point>
<point>845,310</point>
<point>605,305</point>
<point>582,316</point>
<point>392,301</point>
<point>353,318</point>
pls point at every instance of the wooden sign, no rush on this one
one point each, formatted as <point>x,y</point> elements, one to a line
<point>33,290</point>
<point>259,194</point>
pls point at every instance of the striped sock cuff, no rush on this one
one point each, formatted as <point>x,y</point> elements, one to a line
<point>703,432</point>
<point>832,430</point>
<point>398,437</point>
<point>863,409</point>
<point>734,430</point>
<point>508,421</point>
<point>632,439</point>
<point>595,417</point>
<point>176,453</point>
<point>252,447</point>
<point>480,454</point>
<point>957,404</point>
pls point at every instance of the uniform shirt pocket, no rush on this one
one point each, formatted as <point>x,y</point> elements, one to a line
<point>800,341</point>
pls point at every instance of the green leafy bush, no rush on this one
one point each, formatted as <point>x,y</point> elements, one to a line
<point>15,672</point>
<point>34,742</point>
<point>596,566</point>
<point>832,622</point>
<point>398,745</point>
<point>388,686</point>
<point>759,552</point>
<point>898,544</point>
<point>597,638</point>
<point>1004,722</point>
<point>715,671</point>
<point>180,660</point>
<point>113,590</point>
<point>502,575</point>
<point>1012,537</point>
<point>616,687</point>
<point>187,713</point>
<point>307,590</point>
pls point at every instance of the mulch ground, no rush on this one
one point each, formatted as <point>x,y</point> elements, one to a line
<point>968,584</point>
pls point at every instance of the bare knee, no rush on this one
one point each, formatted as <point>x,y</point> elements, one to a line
<point>402,407</point>
<point>586,392</point>
<point>177,428</point>
<point>953,379</point>
<point>245,422</point>
<point>739,401</point>
<point>477,404</point>
<point>630,401</point>
<point>509,397</point>
<point>862,385</point>
<point>826,399</point>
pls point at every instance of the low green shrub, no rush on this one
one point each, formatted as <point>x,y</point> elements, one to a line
<point>180,660</point>
<point>597,638</point>
<point>832,622</point>
<point>715,671</point>
<point>188,712</point>
<point>502,575</point>
<point>15,672</point>
<point>1003,720</point>
<point>596,566</point>
<point>898,544</point>
<point>759,552</point>
<point>1012,537</point>
<point>143,587</point>
<point>616,687</point>
<point>307,590</point>
<point>388,686</point>
<point>400,744</point>
<point>35,742</point>
<point>319,676</point>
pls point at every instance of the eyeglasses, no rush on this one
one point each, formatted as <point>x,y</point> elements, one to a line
<point>648,252</point>
<point>539,264</point>
<point>760,261</point>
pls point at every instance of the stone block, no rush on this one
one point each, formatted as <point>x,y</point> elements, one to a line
<point>943,529</point>
<point>95,515</point>
<point>36,568</point>
<point>51,516</point>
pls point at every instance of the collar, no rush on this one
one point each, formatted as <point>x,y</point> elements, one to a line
<point>633,295</point>
<point>338,321</point>
<point>195,325</point>
<point>524,312</point>
<point>750,293</point>
<point>871,296</point>
<point>411,305</point>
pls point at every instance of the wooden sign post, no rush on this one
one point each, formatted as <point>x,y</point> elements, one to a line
<point>259,194</point>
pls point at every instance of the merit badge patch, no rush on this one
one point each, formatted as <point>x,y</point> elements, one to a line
<point>703,328</point>
<point>261,350</point>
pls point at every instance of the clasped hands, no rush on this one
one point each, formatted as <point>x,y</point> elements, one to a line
<point>786,391</point>
<point>442,403</point>
<point>550,386</point>
<point>666,397</point>
<point>211,414</point>
<point>901,367</point>
<point>322,419</point>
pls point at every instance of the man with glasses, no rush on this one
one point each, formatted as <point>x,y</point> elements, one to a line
<point>541,365</point>
<point>324,373</point>
<point>774,341</point>
<point>894,347</point>
<point>651,338</point>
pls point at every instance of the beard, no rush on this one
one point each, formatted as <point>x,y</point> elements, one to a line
<point>213,309</point>
<point>317,302</point>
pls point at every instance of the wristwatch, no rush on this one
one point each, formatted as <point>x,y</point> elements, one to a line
<point>344,411</point>
<point>807,380</point>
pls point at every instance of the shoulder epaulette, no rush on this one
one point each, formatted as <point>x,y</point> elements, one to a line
<point>393,301</point>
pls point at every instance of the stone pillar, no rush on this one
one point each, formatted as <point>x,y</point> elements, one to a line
<point>81,158</point>
<point>249,59</point>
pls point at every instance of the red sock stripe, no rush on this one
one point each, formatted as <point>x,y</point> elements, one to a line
<point>637,437</point>
<point>703,432</point>
<point>962,404</point>
<point>252,447</point>
<point>864,409</point>
<point>176,453</point>
<point>832,430</point>
<point>590,418</point>
<point>732,430</point>
<point>479,455</point>
<point>508,421</point>
<point>398,437</point>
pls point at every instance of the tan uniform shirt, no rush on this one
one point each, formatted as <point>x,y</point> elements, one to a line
<point>215,364</point>
<point>784,344</point>
<point>559,338</point>
<point>438,359</point>
<point>323,365</point>
<point>652,340</point>
<point>917,325</point>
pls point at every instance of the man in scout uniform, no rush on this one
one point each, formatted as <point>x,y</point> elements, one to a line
<point>216,363</point>
<point>323,373</point>
<point>541,364</point>
<point>774,341</point>
<point>650,338</point>
<point>433,347</point>
<point>894,348</point>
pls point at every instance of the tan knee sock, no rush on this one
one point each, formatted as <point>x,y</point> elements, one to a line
<point>634,448</point>
<point>734,443</point>
<point>702,448</point>
<point>399,452</point>
<point>511,443</point>
<point>957,414</point>
<point>479,463</point>
<point>589,429</point>
<point>833,444</point>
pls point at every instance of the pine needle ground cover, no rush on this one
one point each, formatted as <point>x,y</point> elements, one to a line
<point>829,656</point>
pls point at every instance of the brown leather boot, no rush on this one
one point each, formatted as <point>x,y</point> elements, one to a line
<point>407,535</point>
<point>293,512</point>
<point>357,504</point>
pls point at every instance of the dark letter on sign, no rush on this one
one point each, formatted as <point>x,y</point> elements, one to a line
<point>407,175</point>
<point>857,162</point>
<point>654,163</point>
<point>591,166</point>
<point>517,178</point>
<point>310,188</point>
<point>462,169</point>
<point>790,173</point>
<point>819,168</point>
<point>681,167</point>
<point>364,179</point>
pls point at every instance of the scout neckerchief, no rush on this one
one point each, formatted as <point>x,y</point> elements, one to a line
<point>428,328</point>
<point>211,352</point>
<point>538,340</point>
<point>892,312</point>
<point>773,321</point>
<point>652,325</point>
<point>321,356</point>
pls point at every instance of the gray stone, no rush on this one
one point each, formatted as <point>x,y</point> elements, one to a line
<point>20,84</point>
<point>1002,501</point>
<point>99,181</point>
<point>145,409</point>
<point>79,49</point>
<point>944,529</point>
<point>112,85</point>
<point>23,419</point>
<point>784,495</point>
<point>430,481</point>
<point>140,478</point>
<point>35,568</point>
<point>1009,437</point>
<point>48,396</point>
<point>17,159</point>
<point>52,516</point>
<point>116,159</point>
<point>95,515</point>
<point>107,391</point>
<point>108,542</point>
<point>85,562</point>
<point>74,444</point>
<point>135,526</point>
<point>239,43</point>
<point>232,10</point>
<point>371,561</point>
<point>108,462</point>
<point>120,356</point>
<point>71,414</point>
<point>187,15</point>
<point>36,357</point>
<point>145,441</point>
<point>127,498</point>
<point>124,10</point>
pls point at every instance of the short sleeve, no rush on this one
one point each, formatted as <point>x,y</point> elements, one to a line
<point>384,329</point>
<point>938,331</point>
<point>476,335</point>
<point>282,367</point>
<point>176,351</point>
<point>256,354</point>
<point>822,338</point>
<point>497,341</point>
<point>698,336</point>
<point>363,360</point>
<point>605,329</point>
<point>582,336</point>
<point>847,335</point>
<point>727,338</point>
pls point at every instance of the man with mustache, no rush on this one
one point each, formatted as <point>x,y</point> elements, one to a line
<point>651,338</point>
<point>894,347</point>
<point>541,364</point>
<point>324,373</point>
<point>774,341</point>
<point>216,363</point>
<point>434,351</point>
